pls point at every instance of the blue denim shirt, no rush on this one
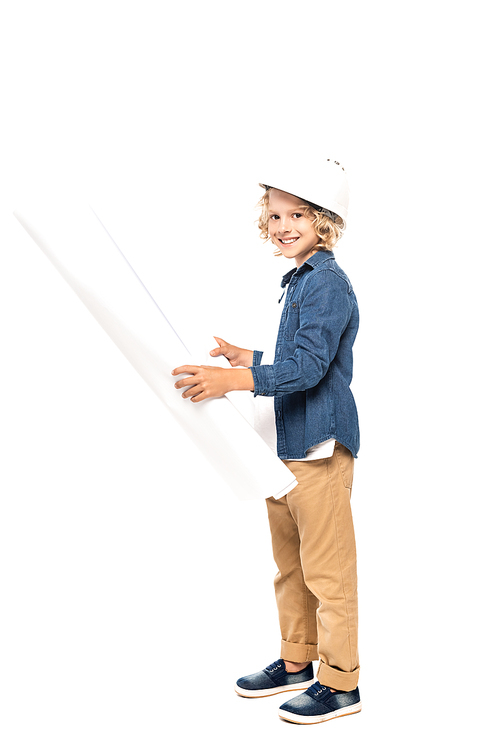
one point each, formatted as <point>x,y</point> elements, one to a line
<point>312,368</point>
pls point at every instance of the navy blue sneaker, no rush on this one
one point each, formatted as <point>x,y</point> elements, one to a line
<point>319,703</point>
<point>273,680</point>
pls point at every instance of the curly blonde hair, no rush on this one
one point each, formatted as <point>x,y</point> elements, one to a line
<point>328,230</point>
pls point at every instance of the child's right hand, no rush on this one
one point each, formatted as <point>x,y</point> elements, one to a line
<point>237,357</point>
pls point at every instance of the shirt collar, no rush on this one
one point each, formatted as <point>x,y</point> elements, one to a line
<point>319,257</point>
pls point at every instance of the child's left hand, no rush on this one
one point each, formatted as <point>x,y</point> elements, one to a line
<point>212,382</point>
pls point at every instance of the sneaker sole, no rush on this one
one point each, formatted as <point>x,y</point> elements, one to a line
<point>309,719</point>
<point>276,690</point>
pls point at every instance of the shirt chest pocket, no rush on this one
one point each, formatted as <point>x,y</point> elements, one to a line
<point>292,321</point>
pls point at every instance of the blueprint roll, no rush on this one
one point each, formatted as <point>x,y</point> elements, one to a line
<point>79,246</point>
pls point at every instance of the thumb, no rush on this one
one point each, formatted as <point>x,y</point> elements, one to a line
<point>217,351</point>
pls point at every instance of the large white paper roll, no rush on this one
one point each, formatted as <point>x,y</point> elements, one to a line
<point>76,242</point>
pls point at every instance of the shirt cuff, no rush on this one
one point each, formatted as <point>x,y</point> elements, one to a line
<point>264,379</point>
<point>257,358</point>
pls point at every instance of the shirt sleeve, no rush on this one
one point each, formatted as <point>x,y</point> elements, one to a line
<point>325,311</point>
<point>257,358</point>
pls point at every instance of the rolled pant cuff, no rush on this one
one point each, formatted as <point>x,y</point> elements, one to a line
<point>345,681</point>
<point>298,652</point>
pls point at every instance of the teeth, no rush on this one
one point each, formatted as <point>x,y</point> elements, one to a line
<point>288,241</point>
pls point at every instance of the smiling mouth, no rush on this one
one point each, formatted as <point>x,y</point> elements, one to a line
<point>289,241</point>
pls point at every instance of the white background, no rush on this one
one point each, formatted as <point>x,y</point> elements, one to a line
<point>134,588</point>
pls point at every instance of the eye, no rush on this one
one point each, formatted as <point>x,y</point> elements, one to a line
<point>274,216</point>
<point>296,215</point>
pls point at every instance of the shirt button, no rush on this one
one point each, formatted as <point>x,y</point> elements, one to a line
<point>294,304</point>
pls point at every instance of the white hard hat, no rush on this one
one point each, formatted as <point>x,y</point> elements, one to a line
<point>323,184</point>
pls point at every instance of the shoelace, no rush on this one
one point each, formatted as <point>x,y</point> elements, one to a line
<point>275,666</point>
<point>316,689</point>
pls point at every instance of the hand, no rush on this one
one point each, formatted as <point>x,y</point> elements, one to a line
<point>237,357</point>
<point>212,382</point>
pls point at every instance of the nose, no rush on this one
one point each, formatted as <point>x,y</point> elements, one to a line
<point>284,224</point>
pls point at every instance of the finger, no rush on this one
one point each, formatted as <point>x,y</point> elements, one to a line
<point>193,392</point>
<point>223,346</point>
<point>188,382</point>
<point>201,397</point>
<point>185,369</point>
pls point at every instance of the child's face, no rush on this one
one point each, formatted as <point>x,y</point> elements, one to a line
<point>289,229</point>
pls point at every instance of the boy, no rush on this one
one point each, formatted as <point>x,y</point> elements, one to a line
<point>313,422</point>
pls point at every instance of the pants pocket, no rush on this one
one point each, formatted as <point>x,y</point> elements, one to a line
<point>346,464</point>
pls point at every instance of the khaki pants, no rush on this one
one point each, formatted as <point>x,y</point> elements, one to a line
<point>316,585</point>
